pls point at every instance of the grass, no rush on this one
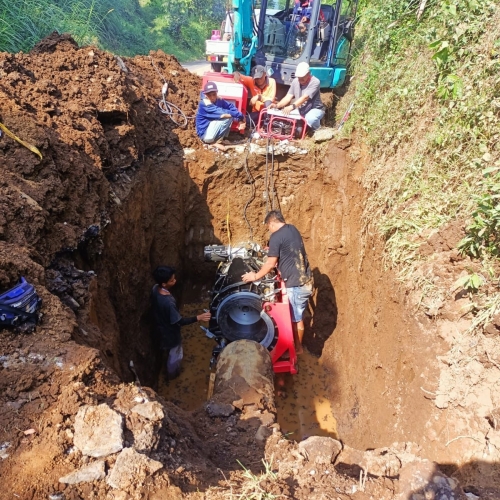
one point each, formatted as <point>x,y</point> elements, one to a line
<point>253,486</point>
<point>427,103</point>
<point>128,27</point>
<point>430,135</point>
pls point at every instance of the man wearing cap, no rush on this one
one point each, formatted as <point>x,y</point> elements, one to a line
<point>215,116</point>
<point>304,96</point>
<point>261,87</point>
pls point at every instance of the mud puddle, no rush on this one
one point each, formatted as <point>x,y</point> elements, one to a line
<point>303,406</point>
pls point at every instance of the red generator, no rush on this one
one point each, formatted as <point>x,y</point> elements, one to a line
<point>230,91</point>
<point>273,123</point>
<point>258,311</point>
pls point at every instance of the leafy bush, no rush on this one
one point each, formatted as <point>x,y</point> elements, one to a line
<point>427,102</point>
<point>483,234</point>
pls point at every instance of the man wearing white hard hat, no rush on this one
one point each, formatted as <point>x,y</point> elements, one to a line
<point>304,96</point>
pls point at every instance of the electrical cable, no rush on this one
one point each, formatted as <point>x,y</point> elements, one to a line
<point>168,108</point>
<point>271,181</point>
<point>227,224</point>
<point>251,180</point>
<point>252,196</point>
<point>173,112</point>
<point>266,185</point>
<point>157,70</point>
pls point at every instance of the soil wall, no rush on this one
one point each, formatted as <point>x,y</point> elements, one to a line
<point>358,320</point>
<point>118,191</point>
<point>163,219</point>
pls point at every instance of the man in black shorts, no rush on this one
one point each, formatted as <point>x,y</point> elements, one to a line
<point>167,320</point>
<point>286,248</point>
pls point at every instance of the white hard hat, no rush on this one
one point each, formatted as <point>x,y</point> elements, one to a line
<point>302,69</point>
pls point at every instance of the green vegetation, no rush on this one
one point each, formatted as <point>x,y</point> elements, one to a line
<point>483,234</point>
<point>427,102</point>
<point>127,27</point>
<point>255,487</point>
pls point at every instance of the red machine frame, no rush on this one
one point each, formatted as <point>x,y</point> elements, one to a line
<point>280,313</point>
<point>292,119</point>
<point>230,91</point>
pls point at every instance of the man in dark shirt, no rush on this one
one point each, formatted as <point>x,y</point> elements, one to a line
<point>286,248</point>
<point>167,320</point>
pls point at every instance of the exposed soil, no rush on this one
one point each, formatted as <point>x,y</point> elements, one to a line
<point>120,190</point>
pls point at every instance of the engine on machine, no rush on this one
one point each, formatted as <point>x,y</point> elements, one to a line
<point>257,311</point>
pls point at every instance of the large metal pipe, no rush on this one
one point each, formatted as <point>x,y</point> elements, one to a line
<point>245,375</point>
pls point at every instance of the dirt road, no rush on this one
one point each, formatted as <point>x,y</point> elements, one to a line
<point>197,67</point>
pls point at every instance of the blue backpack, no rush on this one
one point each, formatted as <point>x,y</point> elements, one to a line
<point>19,305</point>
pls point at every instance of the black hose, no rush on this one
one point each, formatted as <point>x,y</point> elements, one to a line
<point>266,185</point>
<point>252,184</point>
<point>271,181</point>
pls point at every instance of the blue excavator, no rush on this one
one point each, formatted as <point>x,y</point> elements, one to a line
<point>319,33</point>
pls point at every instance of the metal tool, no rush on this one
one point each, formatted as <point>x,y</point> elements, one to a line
<point>346,116</point>
<point>208,333</point>
<point>137,381</point>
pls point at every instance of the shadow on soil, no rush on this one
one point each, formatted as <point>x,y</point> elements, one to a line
<point>322,317</point>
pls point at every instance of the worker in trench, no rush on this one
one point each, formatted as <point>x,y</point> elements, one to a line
<point>287,250</point>
<point>215,116</point>
<point>167,321</point>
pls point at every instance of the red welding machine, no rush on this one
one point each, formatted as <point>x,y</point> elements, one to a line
<point>273,123</point>
<point>230,91</point>
<point>258,311</point>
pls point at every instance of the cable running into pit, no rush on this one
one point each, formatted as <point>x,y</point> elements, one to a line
<point>168,108</point>
<point>251,180</point>
<point>271,182</point>
<point>266,181</point>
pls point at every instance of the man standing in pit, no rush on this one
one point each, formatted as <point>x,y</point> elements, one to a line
<point>305,94</point>
<point>286,248</point>
<point>167,320</point>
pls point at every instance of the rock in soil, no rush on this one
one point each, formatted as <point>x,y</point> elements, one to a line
<point>320,450</point>
<point>324,134</point>
<point>131,468</point>
<point>93,472</point>
<point>219,409</point>
<point>98,431</point>
<point>422,480</point>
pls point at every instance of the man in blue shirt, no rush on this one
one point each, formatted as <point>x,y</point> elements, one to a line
<point>215,116</point>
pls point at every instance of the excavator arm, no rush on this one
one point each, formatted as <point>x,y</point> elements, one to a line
<point>243,44</point>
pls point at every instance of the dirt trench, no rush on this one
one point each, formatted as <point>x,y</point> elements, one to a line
<point>120,190</point>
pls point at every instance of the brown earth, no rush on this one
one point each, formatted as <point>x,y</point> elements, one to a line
<point>120,190</point>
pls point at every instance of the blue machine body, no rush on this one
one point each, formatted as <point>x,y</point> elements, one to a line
<point>307,30</point>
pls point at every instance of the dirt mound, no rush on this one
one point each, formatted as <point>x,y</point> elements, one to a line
<point>112,196</point>
<point>93,117</point>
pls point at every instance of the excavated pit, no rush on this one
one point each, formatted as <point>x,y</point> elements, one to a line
<point>354,334</point>
<point>120,190</point>
<point>168,219</point>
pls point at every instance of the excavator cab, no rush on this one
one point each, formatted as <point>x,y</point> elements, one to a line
<point>317,32</point>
